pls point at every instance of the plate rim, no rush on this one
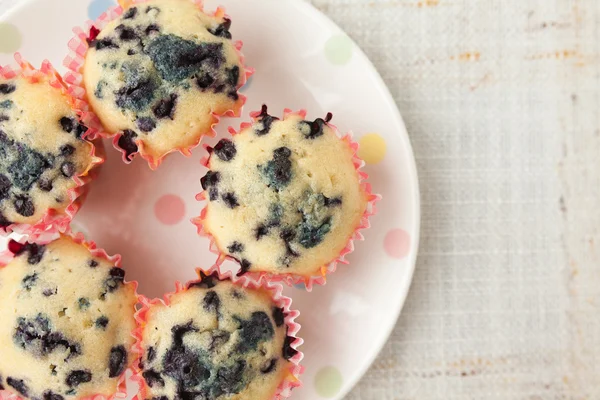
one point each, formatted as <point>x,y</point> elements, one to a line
<point>412,172</point>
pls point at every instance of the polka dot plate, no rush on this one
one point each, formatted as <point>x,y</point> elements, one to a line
<point>302,61</point>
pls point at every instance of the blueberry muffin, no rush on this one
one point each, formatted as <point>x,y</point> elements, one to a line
<point>215,340</point>
<point>67,322</point>
<point>41,151</point>
<point>157,74</point>
<point>284,196</point>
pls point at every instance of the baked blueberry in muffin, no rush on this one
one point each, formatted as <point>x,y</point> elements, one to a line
<point>284,196</point>
<point>67,322</point>
<point>215,340</point>
<point>156,75</point>
<point>42,150</point>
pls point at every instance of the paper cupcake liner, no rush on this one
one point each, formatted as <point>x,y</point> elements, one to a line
<point>291,382</point>
<point>330,267</point>
<point>8,255</point>
<point>54,220</point>
<point>74,62</point>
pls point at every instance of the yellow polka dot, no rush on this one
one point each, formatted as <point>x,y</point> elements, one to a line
<point>372,148</point>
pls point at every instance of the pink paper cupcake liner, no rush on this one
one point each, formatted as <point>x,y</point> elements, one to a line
<point>330,267</point>
<point>8,255</point>
<point>275,290</point>
<point>53,220</point>
<point>78,46</point>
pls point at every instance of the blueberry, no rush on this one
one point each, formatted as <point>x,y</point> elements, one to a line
<point>205,281</point>
<point>212,302</point>
<point>276,214</point>
<point>77,377</point>
<point>287,234</point>
<point>1,385</point>
<point>213,193</point>
<point>117,361</point>
<point>146,124</point>
<point>136,96</point>
<point>269,366</point>
<point>233,75</point>
<point>127,143</point>
<point>153,378</point>
<point>151,354</point>
<point>116,276</point>
<point>233,95</point>
<point>29,281</point>
<point>131,52</point>
<point>288,351</point>
<point>152,28</point>
<point>130,13</point>
<point>185,366</point>
<point>210,179</point>
<point>24,205</point>
<point>265,120</point>
<point>67,150</point>
<point>179,331</point>
<point>80,130</point>
<point>165,108</point>
<point>225,150</point>
<point>7,88</point>
<point>310,236</point>
<point>313,130</point>
<point>36,253</point>
<point>46,184</point>
<point>102,322</point>
<point>49,292</point>
<point>92,263</point>
<point>236,247</point>
<point>229,380</point>
<point>261,230</point>
<point>4,118</point>
<point>278,171</point>
<point>6,104</point>
<point>68,169</point>
<point>177,59</point>
<point>126,34</point>
<point>50,395</point>
<point>4,222</point>
<point>99,92</point>
<point>27,168</point>
<point>5,186</point>
<point>245,266</point>
<point>333,202</point>
<point>257,329</point>
<point>230,200</point>
<point>106,43</point>
<point>19,385</point>
<point>35,336</point>
<point>222,30</point>
<point>83,303</point>
<point>204,81</point>
<point>278,316</point>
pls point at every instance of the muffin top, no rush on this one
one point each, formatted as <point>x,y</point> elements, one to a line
<point>216,340</point>
<point>67,322</point>
<point>41,150</point>
<point>283,195</point>
<point>159,72</point>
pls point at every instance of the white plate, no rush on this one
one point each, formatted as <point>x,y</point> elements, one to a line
<point>302,60</point>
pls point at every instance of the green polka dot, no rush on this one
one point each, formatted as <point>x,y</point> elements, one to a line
<point>339,49</point>
<point>328,382</point>
<point>10,38</point>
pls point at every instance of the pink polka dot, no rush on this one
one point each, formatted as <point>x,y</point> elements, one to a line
<point>397,243</point>
<point>169,209</point>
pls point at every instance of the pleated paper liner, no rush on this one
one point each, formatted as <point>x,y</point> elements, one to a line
<point>274,290</point>
<point>56,220</point>
<point>319,278</point>
<point>76,59</point>
<point>78,238</point>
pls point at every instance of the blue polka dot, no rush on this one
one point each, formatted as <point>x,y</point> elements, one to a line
<point>247,85</point>
<point>98,7</point>
<point>300,286</point>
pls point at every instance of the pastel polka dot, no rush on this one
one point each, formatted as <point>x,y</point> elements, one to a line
<point>98,7</point>
<point>397,243</point>
<point>339,49</point>
<point>169,209</point>
<point>328,382</point>
<point>372,148</point>
<point>10,38</point>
